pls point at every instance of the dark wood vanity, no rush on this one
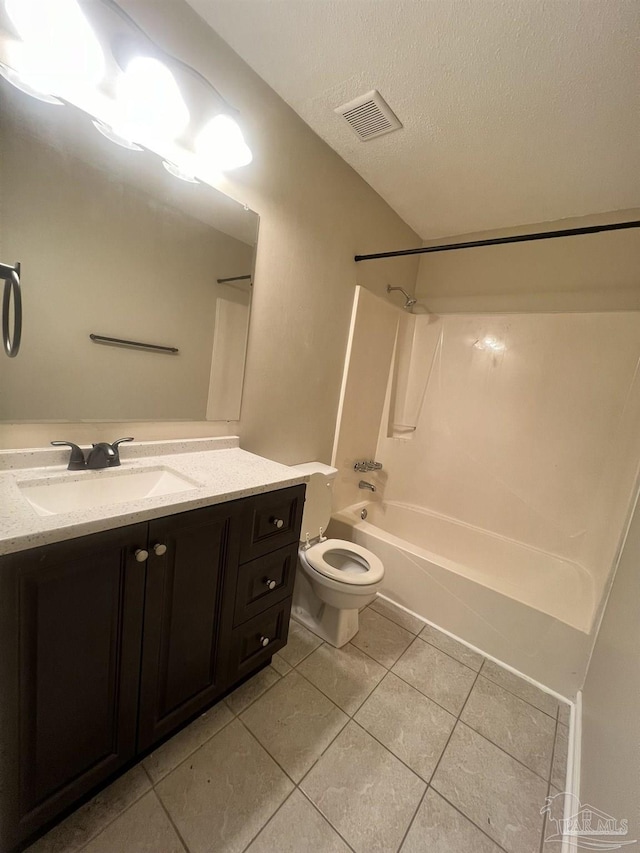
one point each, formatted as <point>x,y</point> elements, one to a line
<point>111,642</point>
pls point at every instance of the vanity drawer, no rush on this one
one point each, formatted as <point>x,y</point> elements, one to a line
<point>264,582</point>
<point>271,521</point>
<point>248,651</point>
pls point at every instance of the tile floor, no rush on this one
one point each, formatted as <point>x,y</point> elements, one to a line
<point>402,740</point>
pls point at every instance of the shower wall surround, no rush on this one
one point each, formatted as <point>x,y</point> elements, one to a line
<point>526,425</point>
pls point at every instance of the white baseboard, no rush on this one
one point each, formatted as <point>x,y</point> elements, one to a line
<point>473,648</point>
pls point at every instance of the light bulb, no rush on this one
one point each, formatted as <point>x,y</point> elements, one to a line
<point>59,53</point>
<point>221,144</point>
<point>150,108</point>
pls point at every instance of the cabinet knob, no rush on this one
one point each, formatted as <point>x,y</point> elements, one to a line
<point>159,549</point>
<point>270,584</point>
<point>141,555</point>
<point>264,642</point>
<point>277,522</point>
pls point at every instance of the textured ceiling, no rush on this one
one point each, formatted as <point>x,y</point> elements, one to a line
<point>514,111</point>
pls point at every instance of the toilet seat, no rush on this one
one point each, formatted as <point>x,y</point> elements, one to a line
<point>345,562</point>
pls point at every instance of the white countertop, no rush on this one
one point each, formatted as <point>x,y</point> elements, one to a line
<point>223,470</point>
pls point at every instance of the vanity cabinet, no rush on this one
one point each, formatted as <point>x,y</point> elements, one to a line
<point>110,642</point>
<point>70,647</point>
<point>190,556</point>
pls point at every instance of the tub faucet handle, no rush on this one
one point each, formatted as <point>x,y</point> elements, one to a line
<point>322,538</point>
<point>372,465</point>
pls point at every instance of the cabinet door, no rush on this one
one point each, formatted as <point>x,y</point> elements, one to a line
<point>71,624</point>
<point>181,670</point>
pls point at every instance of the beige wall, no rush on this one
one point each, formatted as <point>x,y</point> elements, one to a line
<point>610,779</point>
<point>597,272</point>
<point>316,213</point>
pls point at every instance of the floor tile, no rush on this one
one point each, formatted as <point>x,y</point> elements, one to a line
<point>559,771</point>
<point>346,675</point>
<point>144,828</point>
<point>90,819</point>
<point>280,665</point>
<point>295,723</point>
<point>408,723</point>
<point>439,828</point>
<point>529,692</point>
<point>554,812</point>
<point>380,638</point>
<point>452,647</point>
<point>221,798</point>
<point>164,759</point>
<point>298,826</point>
<point>364,791</point>
<point>248,692</point>
<point>400,617</point>
<point>301,643</point>
<point>493,790</point>
<point>435,674</point>
<point>523,731</point>
<point>564,713</point>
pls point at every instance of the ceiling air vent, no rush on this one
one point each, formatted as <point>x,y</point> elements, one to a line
<point>369,116</point>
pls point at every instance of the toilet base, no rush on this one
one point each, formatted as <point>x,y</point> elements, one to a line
<point>334,626</point>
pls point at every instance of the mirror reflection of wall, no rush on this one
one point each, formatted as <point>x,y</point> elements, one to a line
<point>113,245</point>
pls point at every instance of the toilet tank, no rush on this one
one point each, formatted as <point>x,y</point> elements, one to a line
<point>317,505</point>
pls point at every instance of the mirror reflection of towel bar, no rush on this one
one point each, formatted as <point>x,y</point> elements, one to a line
<point>103,339</point>
<point>11,277</point>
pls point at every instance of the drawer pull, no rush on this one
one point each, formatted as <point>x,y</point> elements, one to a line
<point>264,642</point>
<point>277,522</point>
<point>159,549</point>
<point>270,584</point>
<point>141,555</point>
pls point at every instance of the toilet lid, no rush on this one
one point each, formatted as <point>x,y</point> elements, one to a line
<point>345,561</point>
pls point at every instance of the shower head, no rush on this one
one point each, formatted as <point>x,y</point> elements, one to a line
<point>410,301</point>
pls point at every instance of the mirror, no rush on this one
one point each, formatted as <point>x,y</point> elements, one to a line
<point>112,245</point>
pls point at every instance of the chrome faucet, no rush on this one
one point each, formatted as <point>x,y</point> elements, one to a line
<point>101,455</point>
<point>368,486</point>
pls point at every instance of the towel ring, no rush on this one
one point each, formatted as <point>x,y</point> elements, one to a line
<point>11,339</point>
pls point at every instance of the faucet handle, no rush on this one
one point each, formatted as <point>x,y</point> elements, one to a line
<point>374,466</point>
<point>76,459</point>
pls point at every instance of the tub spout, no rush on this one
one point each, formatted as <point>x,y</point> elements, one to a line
<point>364,485</point>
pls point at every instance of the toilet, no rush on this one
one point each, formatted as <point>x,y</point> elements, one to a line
<point>335,578</point>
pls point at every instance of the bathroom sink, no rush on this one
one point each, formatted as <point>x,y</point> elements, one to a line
<point>55,495</point>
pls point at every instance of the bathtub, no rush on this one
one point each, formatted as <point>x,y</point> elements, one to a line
<point>529,609</point>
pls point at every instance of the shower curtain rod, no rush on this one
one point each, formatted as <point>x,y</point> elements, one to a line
<point>497,241</point>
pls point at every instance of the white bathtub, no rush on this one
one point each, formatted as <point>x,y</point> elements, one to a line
<point>530,609</point>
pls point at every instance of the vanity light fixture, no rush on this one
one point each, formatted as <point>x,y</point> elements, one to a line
<point>59,53</point>
<point>149,107</point>
<point>222,144</point>
<point>179,172</point>
<point>59,59</point>
<point>112,136</point>
<point>16,80</point>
